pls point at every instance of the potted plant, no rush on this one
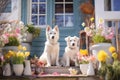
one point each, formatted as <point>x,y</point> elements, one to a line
<point>12,35</point>
<point>17,59</point>
<point>85,60</point>
<point>32,32</point>
<point>109,71</point>
<point>101,36</point>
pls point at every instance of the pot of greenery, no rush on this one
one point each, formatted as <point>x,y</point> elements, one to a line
<point>32,32</point>
<point>11,45</point>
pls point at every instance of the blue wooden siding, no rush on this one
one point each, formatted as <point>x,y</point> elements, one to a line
<point>38,43</point>
<point>24,11</point>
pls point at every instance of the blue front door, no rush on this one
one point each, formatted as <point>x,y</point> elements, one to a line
<point>64,13</point>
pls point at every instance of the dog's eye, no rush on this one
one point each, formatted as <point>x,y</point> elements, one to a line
<point>70,40</point>
<point>54,33</point>
<point>50,33</point>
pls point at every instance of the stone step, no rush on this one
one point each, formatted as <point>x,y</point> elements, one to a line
<point>60,70</point>
<point>56,69</point>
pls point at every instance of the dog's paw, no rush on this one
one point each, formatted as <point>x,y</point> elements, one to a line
<point>48,65</point>
<point>67,65</point>
<point>58,64</point>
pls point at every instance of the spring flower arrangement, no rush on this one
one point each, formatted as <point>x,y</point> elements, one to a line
<point>99,33</point>
<point>17,57</point>
<point>84,57</point>
<point>109,71</point>
<point>12,33</point>
<point>73,71</point>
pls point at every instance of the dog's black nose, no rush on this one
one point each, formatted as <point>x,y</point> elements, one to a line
<point>52,37</point>
<point>73,44</point>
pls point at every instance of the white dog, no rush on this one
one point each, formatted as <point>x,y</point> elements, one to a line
<point>50,55</point>
<point>71,51</point>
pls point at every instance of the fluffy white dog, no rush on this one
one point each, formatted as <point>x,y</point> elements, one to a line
<point>50,55</point>
<point>71,51</point>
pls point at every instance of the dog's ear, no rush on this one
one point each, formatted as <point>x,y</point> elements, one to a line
<point>67,38</point>
<point>76,38</point>
<point>56,28</point>
<point>48,28</point>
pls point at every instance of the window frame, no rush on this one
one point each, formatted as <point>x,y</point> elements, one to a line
<point>29,9</point>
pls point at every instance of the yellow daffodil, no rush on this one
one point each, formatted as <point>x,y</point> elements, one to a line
<point>84,52</point>
<point>102,56</point>
<point>27,54</point>
<point>20,47</point>
<point>7,56</point>
<point>11,53</point>
<point>24,48</point>
<point>112,49</point>
<point>92,19</point>
<point>115,55</point>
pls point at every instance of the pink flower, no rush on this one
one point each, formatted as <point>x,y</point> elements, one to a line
<point>17,30</point>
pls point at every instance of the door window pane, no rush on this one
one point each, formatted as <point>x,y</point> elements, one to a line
<point>34,8</point>
<point>69,20</point>
<point>42,8</point>
<point>58,0</point>
<point>68,0</point>
<point>58,8</point>
<point>59,20</point>
<point>42,0</point>
<point>42,20</point>
<point>34,0</point>
<point>34,20</point>
<point>68,8</point>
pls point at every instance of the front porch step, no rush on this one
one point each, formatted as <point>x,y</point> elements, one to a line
<point>60,70</point>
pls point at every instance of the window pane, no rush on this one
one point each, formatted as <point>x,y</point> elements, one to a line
<point>116,5</point>
<point>69,8</point>
<point>42,8</point>
<point>5,6</point>
<point>34,20</point>
<point>34,9</point>
<point>69,20</point>
<point>42,0</point>
<point>58,0</point>
<point>112,5</point>
<point>34,0</point>
<point>58,8</point>
<point>68,0</point>
<point>42,20</point>
<point>59,20</point>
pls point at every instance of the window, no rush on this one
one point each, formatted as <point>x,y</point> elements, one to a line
<point>62,12</point>
<point>5,6</point>
<point>39,12</point>
<point>109,10</point>
<point>112,5</point>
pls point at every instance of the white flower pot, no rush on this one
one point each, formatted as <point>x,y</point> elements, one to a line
<point>18,69</point>
<point>7,70</point>
<point>90,70</point>
<point>29,38</point>
<point>27,70</point>
<point>84,68</point>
